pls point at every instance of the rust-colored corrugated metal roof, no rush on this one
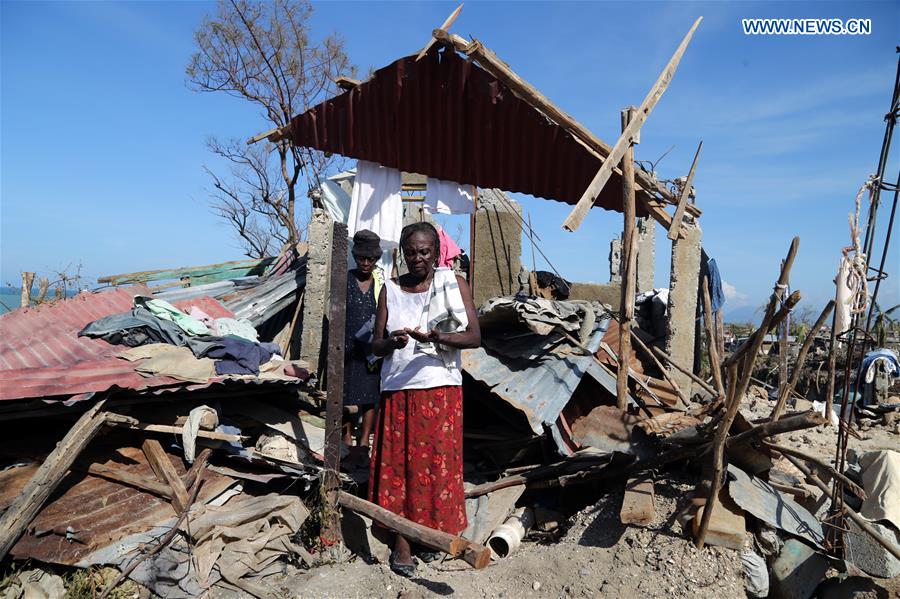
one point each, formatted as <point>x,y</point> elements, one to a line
<point>100,512</point>
<point>41,354</point>
<point>446,117</point>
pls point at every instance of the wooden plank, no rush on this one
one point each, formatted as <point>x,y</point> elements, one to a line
<point>683,200</point>
<point>225,270</point>
<point>715,364</point>
<point>177,430</point>
<point>444,27</point>
<point>473,554</point>
<point>345,83</point>
<point>16,518</point>
<point>629,266</point>
<point>133,480</point>
<point>334,402</point>
<point>638,506</point>
<point>575,218</point>
<point>165,472</point>
<point>727,524</point>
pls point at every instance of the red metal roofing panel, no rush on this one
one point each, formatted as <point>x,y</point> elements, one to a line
<point>446,117</point>
<point>41,354</point>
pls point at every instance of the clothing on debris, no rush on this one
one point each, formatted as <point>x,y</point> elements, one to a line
<point>376,205</point>
<point>166,311</point>
<point>447,197</point>
<point>335,200</point>
<point>867,367</point>
<point>235,355</point>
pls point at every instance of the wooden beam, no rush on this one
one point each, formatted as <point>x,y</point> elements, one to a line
<point>19,515</point>
<point>685,195</point>
<point>165,472</point>
<point>629,263</point>
<point>132,480</point>
<point>575,218</point>
<point>715,365</point>
<point>473,554</point>
<point>444,27</point>
<point>346,83</point>
<point>662,369</point>
<point>646,187</point>
<point>334,402</point>
<point>801,360</point>
<point>174,430</point>
<point>685,371</point>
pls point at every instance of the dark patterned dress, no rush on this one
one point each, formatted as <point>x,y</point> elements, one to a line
<point>362,384</point>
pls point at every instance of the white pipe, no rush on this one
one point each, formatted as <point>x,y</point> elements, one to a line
<point>507,537</point>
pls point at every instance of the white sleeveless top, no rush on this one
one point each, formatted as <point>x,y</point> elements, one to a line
<point>406,368</point>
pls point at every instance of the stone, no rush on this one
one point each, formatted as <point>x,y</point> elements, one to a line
<point>535,586</point>
<point>868,555</point>
<point>684,282</point>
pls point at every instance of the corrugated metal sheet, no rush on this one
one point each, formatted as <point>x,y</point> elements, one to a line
<point>42,355</point>
<point>99,511</point>
<point>446,117</point>
<point>539,389</point>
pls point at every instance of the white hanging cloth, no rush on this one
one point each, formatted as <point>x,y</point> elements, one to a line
<point>375,205</point>
<point>843,298</point>
<point>447,197</point>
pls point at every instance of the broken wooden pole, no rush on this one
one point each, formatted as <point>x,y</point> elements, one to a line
<point>685,371</point>
<point>738,384</point>
<point>166,473</point>
<point>715,366</point>
<point>334,403</point>
<point>577,215</point>
<point>473,554</point>
<point>28,503</point>
<point>629,261</point>
<point>685,196</point>
<point>801,360</point>
<point>832,366</point>
<point>859,520</point>
<point>27,282</point>
<point>790,451</point>
<point>659,365</point>
<point>444,27</point>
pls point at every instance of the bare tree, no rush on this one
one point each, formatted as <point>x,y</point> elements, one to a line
<point>263,52</point>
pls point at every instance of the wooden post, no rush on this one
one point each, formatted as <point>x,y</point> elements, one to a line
<point>683,200</point>
<point>709,321</point>
<point>738,387</point>
<point>576,216</point>
<point>662,369</point>
<point>784,331</point>
<point>471,280</point>
<point>334,404</point>
<point>626,309</point>
<point>444,26</point>
<point>801,360</point>
<point>832,364</point>
<point>27,282</point>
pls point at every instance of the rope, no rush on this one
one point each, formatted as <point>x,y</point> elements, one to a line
<point>856,278</point>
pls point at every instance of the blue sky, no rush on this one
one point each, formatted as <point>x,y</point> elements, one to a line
<point>102,144</point>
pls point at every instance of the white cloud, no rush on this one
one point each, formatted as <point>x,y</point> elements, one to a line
<point>733,295</point>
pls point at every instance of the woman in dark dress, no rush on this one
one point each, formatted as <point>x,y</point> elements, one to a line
<point>362,376</point>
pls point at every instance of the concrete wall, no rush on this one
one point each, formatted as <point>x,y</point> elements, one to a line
<point>683,285</point>
<point>610,293</point>
<point>615,260</point>
<point>498,246</point>
<point>646,257</point>
<point>314,331</point>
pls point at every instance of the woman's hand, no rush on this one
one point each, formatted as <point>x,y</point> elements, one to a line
<point>431,336</point>
<point>399,338</point>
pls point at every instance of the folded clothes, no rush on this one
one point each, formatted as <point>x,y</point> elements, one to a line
<point>235,355</point>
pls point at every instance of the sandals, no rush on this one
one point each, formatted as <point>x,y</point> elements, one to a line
<point>404,570</point>
<point>428,556</point>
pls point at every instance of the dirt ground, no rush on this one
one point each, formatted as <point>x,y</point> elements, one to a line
<point>597,555</point>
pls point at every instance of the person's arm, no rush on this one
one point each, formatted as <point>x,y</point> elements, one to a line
<point>469,338</point>
<point>382,346</point>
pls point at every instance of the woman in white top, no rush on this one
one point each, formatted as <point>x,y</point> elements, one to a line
<point>417,465</point>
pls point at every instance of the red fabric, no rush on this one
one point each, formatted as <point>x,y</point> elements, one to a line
<point>417,468</point>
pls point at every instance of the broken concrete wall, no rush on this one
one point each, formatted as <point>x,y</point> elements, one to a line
<point>615,260</point>
<point>683,285</point>
<point>498,246</point>
<point>315,297</point>
<point>610,293</point>
<point>646,253</point>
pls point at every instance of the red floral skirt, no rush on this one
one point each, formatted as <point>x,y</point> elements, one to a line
<point>417,468</point>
